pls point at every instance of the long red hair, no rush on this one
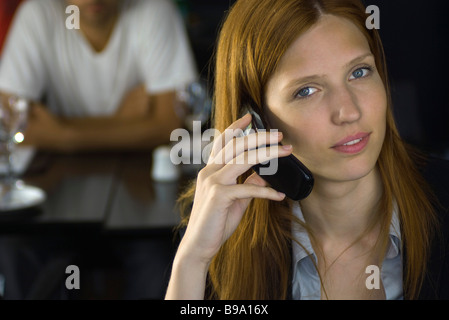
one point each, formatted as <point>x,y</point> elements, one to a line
<point>255,262</point>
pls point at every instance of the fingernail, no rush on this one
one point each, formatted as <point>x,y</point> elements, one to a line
<point>281,194</point>
<point>287,147</point>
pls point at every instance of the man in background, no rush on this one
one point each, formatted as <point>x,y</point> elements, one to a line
<point>109,85</point>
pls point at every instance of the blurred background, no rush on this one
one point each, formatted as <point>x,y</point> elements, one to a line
<point>415,38</point>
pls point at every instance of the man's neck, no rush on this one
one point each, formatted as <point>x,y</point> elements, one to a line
<point>99,34</point>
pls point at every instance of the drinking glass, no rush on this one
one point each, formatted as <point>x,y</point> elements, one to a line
<point>194,103</point>
<point>14,193</point>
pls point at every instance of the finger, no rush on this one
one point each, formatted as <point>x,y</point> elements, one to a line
<point>239,145</point>
<point>251,191</point>
<point>243,162</point>
<point>234,130</point>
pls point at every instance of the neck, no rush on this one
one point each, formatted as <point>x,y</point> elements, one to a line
<point>98,33</point>
<point>340,212</point>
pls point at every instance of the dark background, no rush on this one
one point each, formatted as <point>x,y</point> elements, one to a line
<point>415,36</point>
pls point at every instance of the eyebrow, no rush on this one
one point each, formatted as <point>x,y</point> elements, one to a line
<point>358,59</point>
<point>317,76</point>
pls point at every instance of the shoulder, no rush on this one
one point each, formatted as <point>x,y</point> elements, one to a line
<point>40,14</point>
<point>37,8</point>
<point>436,172</point>
<point>435,163</point>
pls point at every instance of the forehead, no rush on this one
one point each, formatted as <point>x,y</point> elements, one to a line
<point>332,41</point>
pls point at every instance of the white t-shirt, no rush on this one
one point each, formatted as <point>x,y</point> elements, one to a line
<point>42,58</point>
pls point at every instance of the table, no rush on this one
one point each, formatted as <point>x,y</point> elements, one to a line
<point>104,213</point>
<point>77,188</point>
<point>111,192</point>
<point>139,204</point>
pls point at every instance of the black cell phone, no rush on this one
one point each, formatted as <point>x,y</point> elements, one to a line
<point>291,177</point>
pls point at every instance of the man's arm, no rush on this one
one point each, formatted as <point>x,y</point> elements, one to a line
<point>123,131</point>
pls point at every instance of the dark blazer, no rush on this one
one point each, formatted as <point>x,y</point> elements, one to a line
<point>436,282</point>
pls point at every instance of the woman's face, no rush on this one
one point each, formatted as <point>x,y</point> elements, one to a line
<point>329,101</point>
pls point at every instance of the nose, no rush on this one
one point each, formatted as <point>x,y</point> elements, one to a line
<point>345,107</point>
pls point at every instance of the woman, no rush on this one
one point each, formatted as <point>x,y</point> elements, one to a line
<point>313,71</point>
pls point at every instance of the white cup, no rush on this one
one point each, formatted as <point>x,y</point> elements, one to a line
<point>163,168</point>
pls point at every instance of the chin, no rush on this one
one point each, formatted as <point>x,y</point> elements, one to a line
<point>357,169</point>
<point>344,171</point>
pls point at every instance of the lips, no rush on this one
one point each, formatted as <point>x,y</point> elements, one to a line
<point>352,144</point>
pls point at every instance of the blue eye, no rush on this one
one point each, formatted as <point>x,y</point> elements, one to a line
<point>306,92</point>
<point>360,73</point>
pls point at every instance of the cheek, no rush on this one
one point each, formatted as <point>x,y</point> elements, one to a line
<point>374,94</point>
<point>306,133</point>
<point>304,129</point>
<point>375,108</point>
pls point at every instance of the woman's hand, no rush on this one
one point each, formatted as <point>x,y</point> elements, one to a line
<point>219,201</point>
